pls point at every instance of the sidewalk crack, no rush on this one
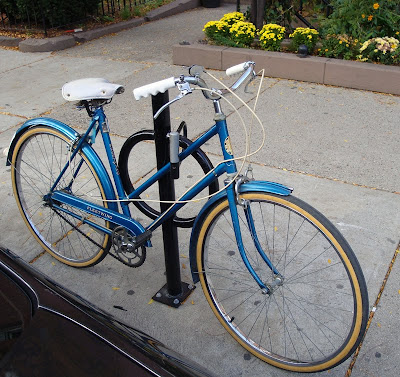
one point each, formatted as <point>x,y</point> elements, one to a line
<point>24,65</point>
<point>13,115</point>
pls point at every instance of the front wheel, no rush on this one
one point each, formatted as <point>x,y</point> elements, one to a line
<point>315,314</point>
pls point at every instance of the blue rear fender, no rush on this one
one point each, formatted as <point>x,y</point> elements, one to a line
<point>63,128</point>
<point>252,186</point>
<point>71,134</point>
<point>89,152</point>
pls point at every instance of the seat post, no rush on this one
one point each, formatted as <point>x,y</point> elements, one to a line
<point>87,107</point>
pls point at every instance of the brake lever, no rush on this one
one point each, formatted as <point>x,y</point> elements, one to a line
<point>162,108</point>
<point>252,78</point>
<point>183,87</point>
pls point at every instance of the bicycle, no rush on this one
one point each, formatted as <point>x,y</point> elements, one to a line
<point>278,275</point>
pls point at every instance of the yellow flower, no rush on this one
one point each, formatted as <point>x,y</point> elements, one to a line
<point>376,6</point>
<point>326,49</point>
<point>340,42</point>
<point>363,15</point>
<point>370,17</point>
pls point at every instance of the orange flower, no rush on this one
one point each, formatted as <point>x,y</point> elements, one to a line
<point>363,15</point>
<point>370,17</point>
<point>376,6</point>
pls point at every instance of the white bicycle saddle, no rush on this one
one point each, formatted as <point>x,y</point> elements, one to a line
<point>89,89</point>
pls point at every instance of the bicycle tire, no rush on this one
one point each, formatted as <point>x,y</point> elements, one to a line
<point>39,155</point>
<point>313,321</point>
<point>123,164</point>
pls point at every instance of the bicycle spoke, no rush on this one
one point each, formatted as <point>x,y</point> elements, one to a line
<point>309,312</point>
<point>38,164</point>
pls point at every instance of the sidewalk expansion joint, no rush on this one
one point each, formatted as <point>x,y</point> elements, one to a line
<point>373,310</point>
<point>24,65</point>
<point>13,115</point>
<point>37,257</point>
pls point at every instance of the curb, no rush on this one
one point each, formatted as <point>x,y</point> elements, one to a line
<point>67,41</point>
<point>47,44</point>
<point>348,74</point>
<point>9,41</point>
<point>86,36</point>
<point>177,6</point>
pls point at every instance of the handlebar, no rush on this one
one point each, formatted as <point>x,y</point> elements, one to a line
<point>236,69</point>
<point>183,82</point>
<point>154,88</point>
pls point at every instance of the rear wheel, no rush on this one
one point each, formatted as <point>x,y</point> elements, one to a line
<point>316,312</point>
<point>37,160</point>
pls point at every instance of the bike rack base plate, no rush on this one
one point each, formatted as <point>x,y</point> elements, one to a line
<point>174,301</point>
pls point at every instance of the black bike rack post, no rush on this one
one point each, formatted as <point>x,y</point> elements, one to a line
<point>174,292</point>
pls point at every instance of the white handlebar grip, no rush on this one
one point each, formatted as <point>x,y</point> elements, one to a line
<point>154,88</point>
<point>236,69</point>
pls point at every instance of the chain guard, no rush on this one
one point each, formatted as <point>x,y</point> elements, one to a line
<point>124,248</point>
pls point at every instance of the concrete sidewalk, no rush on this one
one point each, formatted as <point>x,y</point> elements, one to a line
<point>335,146</point>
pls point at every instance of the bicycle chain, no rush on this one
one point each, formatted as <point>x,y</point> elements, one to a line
<point>115,256</point>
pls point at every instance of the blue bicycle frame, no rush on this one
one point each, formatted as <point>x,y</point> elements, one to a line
<point>99,124</point>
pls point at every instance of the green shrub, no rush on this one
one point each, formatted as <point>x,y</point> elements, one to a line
<point>363,19</point>
<point>339,47</point>
<point>9,6</point>
<point>125,13</point>
<point>55,12</point>
<point>280,12</point>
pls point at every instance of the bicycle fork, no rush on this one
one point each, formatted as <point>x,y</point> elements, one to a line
<point>266,287</point>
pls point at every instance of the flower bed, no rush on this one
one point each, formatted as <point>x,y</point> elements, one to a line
<point>234,31</point>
